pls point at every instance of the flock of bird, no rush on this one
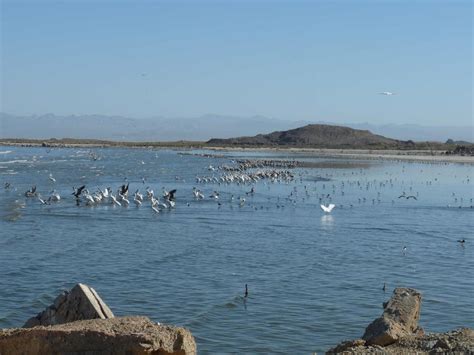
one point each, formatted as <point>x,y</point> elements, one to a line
<point>103,196</point>
<point>249,172</point>
<point>250,175</point>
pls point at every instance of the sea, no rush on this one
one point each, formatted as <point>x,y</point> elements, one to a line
<point>314,278</point>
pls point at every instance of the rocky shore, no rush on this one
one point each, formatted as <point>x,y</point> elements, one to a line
<point>396,331</point>
<point>459,341</point>
<point>79,322</point>
<point>121,335</point>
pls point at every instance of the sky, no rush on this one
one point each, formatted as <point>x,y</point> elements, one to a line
<point>293,60</point>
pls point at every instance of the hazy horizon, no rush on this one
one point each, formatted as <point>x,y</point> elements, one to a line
<point>204,127</point>
<point>293,61</point>
<point>230,116</point>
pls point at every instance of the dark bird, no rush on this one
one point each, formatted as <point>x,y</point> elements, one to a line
<point>77,192</point>
<point>246,294</point>
<point>31,192</point>
<point>384,287</point>
<point>411,196</point>
<point>124,189</point>
<point>169,195</point>
<point>462,241</point>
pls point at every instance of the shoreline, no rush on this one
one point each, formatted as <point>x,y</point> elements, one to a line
<point>423,156</point>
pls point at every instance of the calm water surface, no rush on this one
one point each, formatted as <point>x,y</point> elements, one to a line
<point>314,279</point>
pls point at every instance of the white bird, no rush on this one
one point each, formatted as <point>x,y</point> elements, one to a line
<point>328,208</point>
<point>155,209</point>
<point>55,197</point>
<point>387,93</point>
<point>149,193</point>
<point>138,196</point>
<point>125,202</point>
<point>198,194</point>
<point>115,200</point>
<point>105,193</point>
<point>89,198</point>
<point>43,202</point>
<point>51,178</point>
<point>172,204</point>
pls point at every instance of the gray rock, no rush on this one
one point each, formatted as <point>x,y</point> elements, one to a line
<point>82,302</point>
<point>400,318</point>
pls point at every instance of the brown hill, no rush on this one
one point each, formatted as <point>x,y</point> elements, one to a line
<point>317,136</point>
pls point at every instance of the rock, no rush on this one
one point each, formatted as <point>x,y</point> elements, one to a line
<point>121,335</point>
<point>399,319</point>
<point>443,344</point>
<point>82,302</point>
<point>397,332</point>
<point>459,341</point>
<point>346,346</point>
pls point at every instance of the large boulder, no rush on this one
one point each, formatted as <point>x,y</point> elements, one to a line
<point>82,302</point>
<point>121,335</point>
<point>399,319</point>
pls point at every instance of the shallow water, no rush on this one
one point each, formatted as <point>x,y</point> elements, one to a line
<point>314,279</point>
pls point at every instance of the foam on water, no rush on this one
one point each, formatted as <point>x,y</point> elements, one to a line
<point>21,161</point>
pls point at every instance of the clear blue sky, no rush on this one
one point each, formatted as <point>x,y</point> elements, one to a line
<point>312,60</point>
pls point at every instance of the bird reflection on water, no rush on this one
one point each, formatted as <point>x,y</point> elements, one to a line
<point>327,220</point>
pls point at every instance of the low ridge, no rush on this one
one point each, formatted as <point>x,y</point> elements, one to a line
<point>317,136</point>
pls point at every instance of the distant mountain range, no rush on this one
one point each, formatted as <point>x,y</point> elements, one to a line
<point>200,128</point>
<point>317,136</point>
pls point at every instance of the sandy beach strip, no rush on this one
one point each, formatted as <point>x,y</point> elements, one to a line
<point>365,154</point>
<point>426,156</point>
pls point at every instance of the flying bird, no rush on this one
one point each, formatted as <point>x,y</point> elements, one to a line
<point>169,195</point>
<point>31,192</point>
<point>124,189</point>
<point>328,208</point>
<point>387,93</point>
<point>77,192</point>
